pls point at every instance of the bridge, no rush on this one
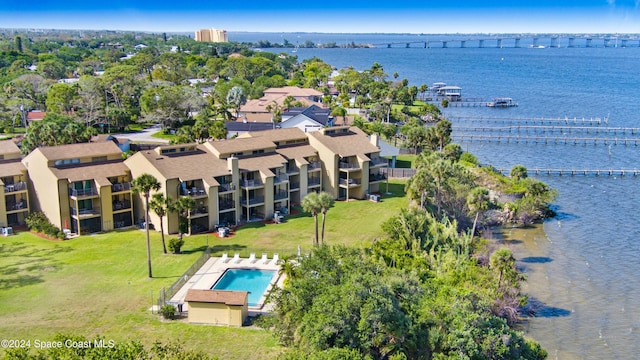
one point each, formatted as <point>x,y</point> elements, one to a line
<point>577,172</point>
<point>546,140</point>
<point>512,41</point>
<point>537,129</point>
<point>533,120</point>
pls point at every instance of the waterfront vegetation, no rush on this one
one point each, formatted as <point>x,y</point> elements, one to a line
<point>403,278</point>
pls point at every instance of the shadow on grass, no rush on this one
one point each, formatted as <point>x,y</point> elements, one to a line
<point>395,190</point>
<point>24,265</point>
<point>194,250</point>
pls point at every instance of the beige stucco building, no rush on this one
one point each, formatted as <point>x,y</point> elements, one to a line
<point>211,35</point>
<point>81,187</point>
<point>218,307</point>
<point>14,196</point>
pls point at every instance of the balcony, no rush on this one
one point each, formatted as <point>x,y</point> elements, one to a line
<point>226,204</point>
<point>121,205</point>
<point>378,161</point>
<point>292,170</point>
<point>377,177</point>
<point>199,211</point>
<point>294,186</point>
<point>314,165</point>
<point>226,187</point>
<point>119,187</point>
<point>314,182</point>
<point>83,213</point>
<point>350,182</point>
<point>280,178</point>
<point>195,192</point>
<point>19,186</point>
<point>348,166</point>
<point>256,200</point>
<point>280,195</point>
<point>92,192</point>
<point>19,206</point>
<point>251,183</point>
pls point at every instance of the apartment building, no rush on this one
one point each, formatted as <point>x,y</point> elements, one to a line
<point>351,161</point>
<point>211,35</point>
<point>81,187</point>
<point>14,196</point>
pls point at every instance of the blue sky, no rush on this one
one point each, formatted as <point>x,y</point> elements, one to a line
<point>412,16</point>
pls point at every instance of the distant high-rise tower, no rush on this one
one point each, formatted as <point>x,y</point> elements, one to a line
<point>212,35</point>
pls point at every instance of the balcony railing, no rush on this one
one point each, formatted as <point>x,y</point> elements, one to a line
<point>22,205</point>
<point>346,165</point>
<point>200,210</point>
<point>350,182</point>
<point>226,204</point>
<point>252,201</point>
<point>85,212</point>
<point>377,177</point>
<point>293,169</point>
<point>118,187</point>
<point>251,183</point>
<point>280,195</point>
<point>280,178</point>
<point>83,192</point>
<point>121,205</point>
<point>294,186</point>
<point>194,192</point>
<point>226,187</point>
<point>314,181</point>
<point>19,186</point>
<point>314,165</point>
<point>376,161</point>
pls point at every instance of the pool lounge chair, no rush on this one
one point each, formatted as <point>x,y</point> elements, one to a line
<point>276,257</point>
<point>264,258</point>
<point>236,258</point>
<point>252,258</point>
<point>224,258</point>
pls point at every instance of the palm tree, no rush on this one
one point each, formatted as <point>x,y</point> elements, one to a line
<point>478,201</point>
<point>144,184</point>
<point>161,205</point>
<point>503,261</point>
<point>311,204</point>
<point>276,113</point>
<point>325,201</point>
<point>183,206</point>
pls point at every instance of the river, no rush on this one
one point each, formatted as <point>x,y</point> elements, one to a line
<point>581,266</point>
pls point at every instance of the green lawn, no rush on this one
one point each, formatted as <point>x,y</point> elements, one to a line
<point>406,161</point>
<point>161,135</point>
<point>98,284</point>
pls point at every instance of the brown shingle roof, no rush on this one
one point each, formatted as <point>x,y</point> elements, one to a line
<point>239,145</point>
<point>10,168</point>
<point>99,172</point>
<point>353,142</point>
<point>8,147</point>
<point>199,164</point>
<point>70,151</point>
<point>297,152</point>
<point>293,91</point>
<point>237,298</point>
<point>261,162</point>
<point>278,135</point>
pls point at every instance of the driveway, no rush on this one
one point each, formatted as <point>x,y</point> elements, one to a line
<point>145,135</point>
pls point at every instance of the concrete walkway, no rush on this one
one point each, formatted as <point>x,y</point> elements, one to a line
<point>144,135</point>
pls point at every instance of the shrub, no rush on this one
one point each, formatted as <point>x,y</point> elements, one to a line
<point>38,222</point>
<point>168,312</point>
<point>175,245</point>
<point>469,158</point>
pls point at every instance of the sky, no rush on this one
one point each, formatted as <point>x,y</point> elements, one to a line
<point>355,16</point>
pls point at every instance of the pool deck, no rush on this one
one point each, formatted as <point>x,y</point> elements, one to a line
<point>213,269</point>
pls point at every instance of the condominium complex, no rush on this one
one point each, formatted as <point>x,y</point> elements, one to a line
<point>86,187</point>
<point>14,198</point>
<point>212,35</point>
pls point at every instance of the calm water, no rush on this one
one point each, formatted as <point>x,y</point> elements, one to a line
<point>582,266</point>
<point>253,281</point>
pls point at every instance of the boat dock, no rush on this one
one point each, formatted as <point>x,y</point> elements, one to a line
<point>549,129</point>
<point>533,120</point>
<point>547,140</point>
<point>578,172</point>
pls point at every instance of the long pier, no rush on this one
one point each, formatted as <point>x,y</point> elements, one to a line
<point>534,120</point>
<point>547,140</point>
<point>578,172</point>
<point>548,129</point>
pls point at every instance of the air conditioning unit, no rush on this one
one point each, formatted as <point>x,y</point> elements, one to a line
<point>374,198</point>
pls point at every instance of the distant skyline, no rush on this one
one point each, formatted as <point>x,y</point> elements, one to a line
<point>358,16</point>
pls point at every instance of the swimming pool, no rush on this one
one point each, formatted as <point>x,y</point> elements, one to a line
<point>251,280</point>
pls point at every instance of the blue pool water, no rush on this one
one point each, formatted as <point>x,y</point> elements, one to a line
<point>253,281</point>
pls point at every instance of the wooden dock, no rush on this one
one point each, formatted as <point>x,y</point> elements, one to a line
<point>546,140</point>
<point>533,120</point>
<point>578,172</point>
<point>537,129</point>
